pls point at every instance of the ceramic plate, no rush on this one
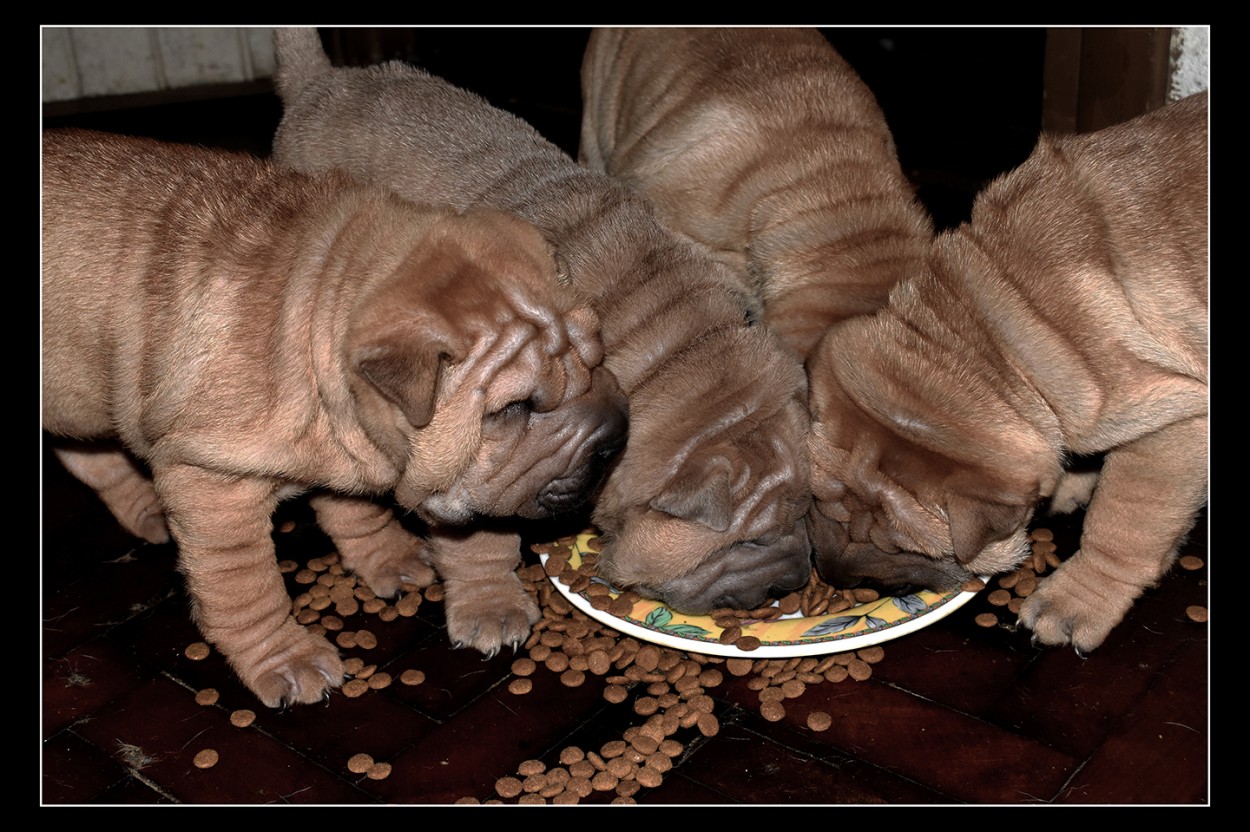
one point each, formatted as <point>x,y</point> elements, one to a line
<point>871,623</point>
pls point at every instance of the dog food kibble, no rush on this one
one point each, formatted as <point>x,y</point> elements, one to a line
<point>412,677</point>
<point>872,655</point>
<point>521,685</point>
<point>987,619</point>
<point>972,585</point>
<point>197,651</point>
<point>999,597</point>
<point>378,681</point>
<point>208,696</point>
<point>1191,562</point>
<point>615,694</point>
<point>355,688</point>
<point>772,710</point>
<point>1041,534</point>
<point>524,666</point>
<point>359,763</point>
<point>507,787</point>
<point>379,771</point>
<point>206,758</point>
<point>366,639</point>
<point>1197,613</point>
<point>819,721</point>
<point>859,669</point>
<point>242,718</point>
<point>572,678</point>
<point>407,605</point>
<point>748,643</point>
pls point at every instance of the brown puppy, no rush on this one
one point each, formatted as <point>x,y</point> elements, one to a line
<point>705,506</point>
<point>763,145</point>
<point>1068,317</point>
<point>249,333</point>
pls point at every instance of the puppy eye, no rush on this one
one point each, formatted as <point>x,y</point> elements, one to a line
<point>512,410</point>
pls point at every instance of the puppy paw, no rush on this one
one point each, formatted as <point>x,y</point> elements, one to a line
<point>386,559</point>
<point>489,617</point>
<point>1076,605</point>
<point>386,572</point>
<point>291,667</point>
<point>1073,492</point>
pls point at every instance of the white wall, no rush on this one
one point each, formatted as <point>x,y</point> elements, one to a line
<point>88,62</point>
<point>1191,61</point>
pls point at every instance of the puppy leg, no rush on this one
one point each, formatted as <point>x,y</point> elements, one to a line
<point>1075,489</point>
<point>373,543</point>
<point>121,485</point>
<point>223,528</point>
<point>486,606</point>
<point>1148,496</point>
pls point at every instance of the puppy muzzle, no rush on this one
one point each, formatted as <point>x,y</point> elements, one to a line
<point>742,576</point>
<point>571,491</point>
<point>893,573</point>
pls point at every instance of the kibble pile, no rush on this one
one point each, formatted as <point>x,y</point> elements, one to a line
<point>668,689</point>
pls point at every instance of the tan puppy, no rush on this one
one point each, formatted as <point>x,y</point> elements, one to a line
<point>705,506</point>
<point>763,145</point>
<point>1068,317</point>
<point>249,333</point>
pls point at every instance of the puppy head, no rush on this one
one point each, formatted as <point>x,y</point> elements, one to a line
<point>482,377</point>
<point>705,508</point>
<point>922,476</point>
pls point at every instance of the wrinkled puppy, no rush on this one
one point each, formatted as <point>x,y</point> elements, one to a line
<point>705,506</point>
<point>249,333</point>
<point>766,147</point>
<point>1068,317</point>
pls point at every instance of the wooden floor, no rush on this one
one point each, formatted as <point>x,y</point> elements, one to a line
<point>957,713</point>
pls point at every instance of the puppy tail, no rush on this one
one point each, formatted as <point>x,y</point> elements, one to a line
<point>300,58</point>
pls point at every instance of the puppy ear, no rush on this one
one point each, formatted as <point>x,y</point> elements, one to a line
<point>977,523</point>
<point>703,496</point>
<point>405,370</point>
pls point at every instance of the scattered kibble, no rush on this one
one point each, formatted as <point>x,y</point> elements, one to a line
<point>242,718</point>
<point>207,758</point>
<point>208,696</point>
<point>197,651</point>
<point>1196,612</point>
<point>359,763</point>
<point>819,721</point>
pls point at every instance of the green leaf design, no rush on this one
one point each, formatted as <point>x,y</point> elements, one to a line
<point>659,618</point>
<point>686,630</point>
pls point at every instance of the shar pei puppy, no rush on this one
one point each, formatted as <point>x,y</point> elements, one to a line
<point>764,146</point>
<point>1068,317</point>
<point>219,334</point>
<point>705,506</point>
